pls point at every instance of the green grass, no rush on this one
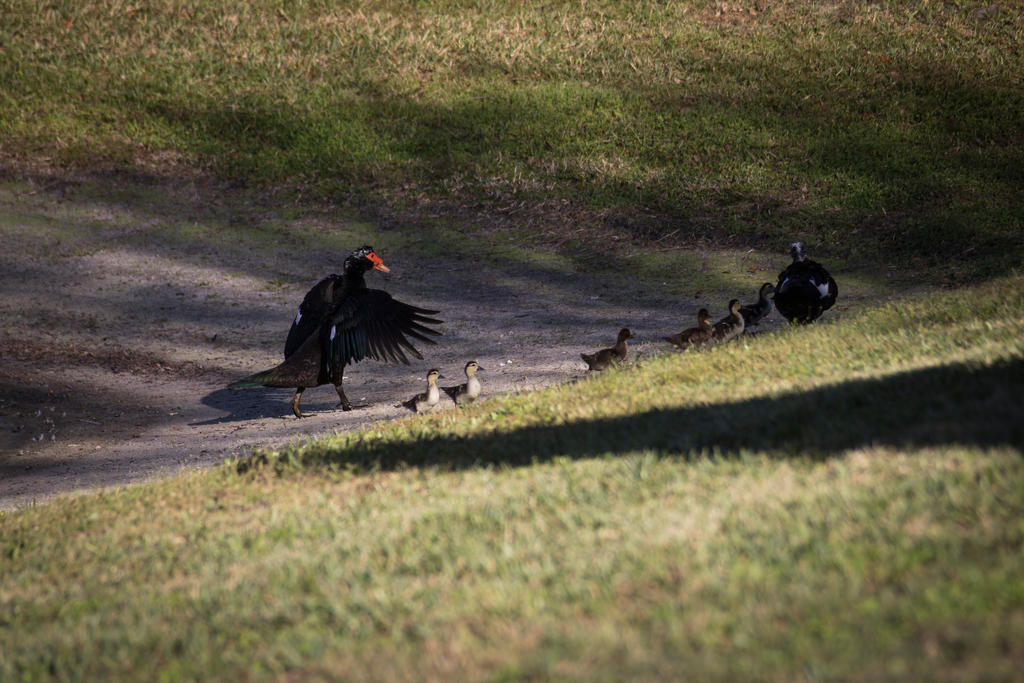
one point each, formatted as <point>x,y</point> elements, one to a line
<point>841,501</point>
<point>902,373</point>
<point>883,131</point>
<point>836,502</point>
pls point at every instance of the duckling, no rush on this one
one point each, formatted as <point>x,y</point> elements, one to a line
<point>805,289</point>
<point>754,313</point>
<point>729,326</point>
<point>601,360</point>
<point>429,399</point>
<point>470,389</point>
<point>693,336</point>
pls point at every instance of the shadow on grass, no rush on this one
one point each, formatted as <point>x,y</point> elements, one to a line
<point>947,405</point>
<point>857,149</point>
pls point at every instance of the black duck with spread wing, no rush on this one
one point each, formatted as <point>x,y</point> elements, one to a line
<point>341,322</point>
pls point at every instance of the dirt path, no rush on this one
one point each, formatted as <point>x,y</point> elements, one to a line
<point>127,308</point>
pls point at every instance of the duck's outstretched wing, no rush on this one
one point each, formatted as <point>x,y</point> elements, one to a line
<point>370,323</point>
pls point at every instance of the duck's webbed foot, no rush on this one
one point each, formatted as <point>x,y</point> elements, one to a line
<point>344,403</point>
<point>295,404</point>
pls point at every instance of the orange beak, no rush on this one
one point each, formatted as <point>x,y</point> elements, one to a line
<point>378,262</point>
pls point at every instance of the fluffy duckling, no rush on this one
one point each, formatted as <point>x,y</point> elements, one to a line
<point>468,391</point>
<point>754,313</point>
<point>729,326</point>
<point>603,359</point>
<point>429,399</point>
<point>693,336</point>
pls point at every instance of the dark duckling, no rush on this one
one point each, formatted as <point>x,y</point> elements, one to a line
<point>754,313</point>
<point>693,336</point>
<point>605,358</point>
<point>729,326</point>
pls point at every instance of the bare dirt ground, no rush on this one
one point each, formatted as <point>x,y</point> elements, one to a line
<point>128,305</point>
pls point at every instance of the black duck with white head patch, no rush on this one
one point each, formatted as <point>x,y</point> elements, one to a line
<point>805,289</point>
<point>729,326</point>
<point>340,322</point>
<point>430,399</point>
<point>605,358</point>
<point>693,336</point>
<point>754,313</point>
<point>469,391</point>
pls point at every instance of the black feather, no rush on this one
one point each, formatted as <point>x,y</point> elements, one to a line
<point>798,295</point>
<point>366,323</point>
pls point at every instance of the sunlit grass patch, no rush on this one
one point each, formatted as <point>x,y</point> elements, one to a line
<point>884,132</point>
<point>866,562</point>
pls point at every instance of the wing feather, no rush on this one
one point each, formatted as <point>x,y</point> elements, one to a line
<point>315,309</point>
<point>370,323</point>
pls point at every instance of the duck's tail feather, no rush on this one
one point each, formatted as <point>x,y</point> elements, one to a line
<point>268,378</point>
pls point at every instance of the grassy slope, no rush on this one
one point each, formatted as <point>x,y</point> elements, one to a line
<point>837,501</point>
<point>842,501</point>
<point>886,131</point>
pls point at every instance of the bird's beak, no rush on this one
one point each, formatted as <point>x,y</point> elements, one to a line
<point>378,262</point>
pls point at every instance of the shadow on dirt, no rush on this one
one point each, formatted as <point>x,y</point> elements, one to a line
<point>247,404</point>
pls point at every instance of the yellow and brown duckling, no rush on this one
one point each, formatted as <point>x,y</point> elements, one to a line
<point>694,336</point>
<point>605,358</point>
<point>468,391</point>
<point>754,313</point>
<point>729,326</point>
<point>428,400</point>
